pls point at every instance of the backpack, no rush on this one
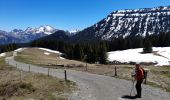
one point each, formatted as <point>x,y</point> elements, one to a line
<point>144,73</point>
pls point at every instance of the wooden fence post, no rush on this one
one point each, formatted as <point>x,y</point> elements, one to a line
<point>65,73</point>
<point>20,75</point>
<point>86,66</point>
<point>146,74</point>
<point>48,71</point>
<point>29,67</point>
<point>115,71</point>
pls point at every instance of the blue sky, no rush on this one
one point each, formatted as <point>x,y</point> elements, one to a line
<point>64,14</point>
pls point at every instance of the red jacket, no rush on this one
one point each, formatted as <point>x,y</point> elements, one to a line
<point>139,74</point>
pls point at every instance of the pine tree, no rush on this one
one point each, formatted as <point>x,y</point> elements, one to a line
<point>147,45</point>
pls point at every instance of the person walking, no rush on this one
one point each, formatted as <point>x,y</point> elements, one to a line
<point>139,76</point>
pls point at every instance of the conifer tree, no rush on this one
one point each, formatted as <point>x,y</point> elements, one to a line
<point>147,45</point>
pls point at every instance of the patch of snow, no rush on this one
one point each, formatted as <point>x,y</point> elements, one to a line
<point>2,54</point>
<point>134,55</point>
<point>73,32</point>
<point>163,51</point>
<point>19,50</point>
<point>61,58</point>
<point>49,50</point>
<point>47,53</point>
<point>108,19</point>
<point>48,33</point>
<point>118,15</point>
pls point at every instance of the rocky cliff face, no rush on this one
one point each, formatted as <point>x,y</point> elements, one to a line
<point>123,23</point>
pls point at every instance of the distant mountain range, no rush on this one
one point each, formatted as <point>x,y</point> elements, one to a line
<point>24,36</point>
<point>120,23</point>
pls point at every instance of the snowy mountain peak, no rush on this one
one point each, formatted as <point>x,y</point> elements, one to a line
<point>46,29</point>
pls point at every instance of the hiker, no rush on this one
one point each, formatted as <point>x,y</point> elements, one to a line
<point>139,76</point>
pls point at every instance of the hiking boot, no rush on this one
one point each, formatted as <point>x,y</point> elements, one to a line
<point>137,96</point>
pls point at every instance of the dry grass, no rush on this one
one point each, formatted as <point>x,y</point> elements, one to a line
<point>37,57</point>
<point>15,88</point>
<point>32,86</point>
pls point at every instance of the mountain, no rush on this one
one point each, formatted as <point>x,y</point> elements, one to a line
<point>42,29</point>
<point>128,23</point>
<point>5,39</point>
<point>24,36</point>
<point>58,35</point>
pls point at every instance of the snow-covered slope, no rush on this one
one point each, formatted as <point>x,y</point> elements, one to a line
<point>161,56</point>
<point>123,23</point>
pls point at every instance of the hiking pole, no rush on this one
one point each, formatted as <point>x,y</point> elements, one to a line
<point>132,87</point>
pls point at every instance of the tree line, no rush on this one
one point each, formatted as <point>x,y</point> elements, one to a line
<point>97,51</point>
<point>8,47</point>
<point>89,52</point>
<point>154,40</point>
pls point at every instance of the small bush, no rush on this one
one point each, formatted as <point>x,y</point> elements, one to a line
<point>27,86</point>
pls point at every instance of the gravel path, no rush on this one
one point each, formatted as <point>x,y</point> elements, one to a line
<point>95,87</point>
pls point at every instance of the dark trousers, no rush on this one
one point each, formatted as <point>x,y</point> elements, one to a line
<point>139,88</point>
